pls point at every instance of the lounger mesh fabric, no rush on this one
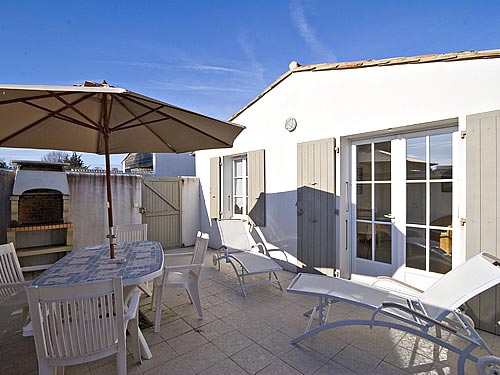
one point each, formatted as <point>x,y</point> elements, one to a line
<point>239,250</point>
<point>436,307</point>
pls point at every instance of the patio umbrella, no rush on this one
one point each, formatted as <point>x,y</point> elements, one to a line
<point>102,119</point>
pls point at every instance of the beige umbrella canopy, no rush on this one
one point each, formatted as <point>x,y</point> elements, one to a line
<point>102,119</point>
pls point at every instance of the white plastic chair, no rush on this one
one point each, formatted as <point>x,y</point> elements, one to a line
<point>245,255</point>
<point>12,283</point>
<point>82,323</point>
<point>185,276</point>
<point>413,312</point>
<point>133,233</point>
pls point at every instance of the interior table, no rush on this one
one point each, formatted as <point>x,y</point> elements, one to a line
<point>135,263</point>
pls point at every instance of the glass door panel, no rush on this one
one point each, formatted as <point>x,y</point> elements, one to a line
<point>373,203</point>
<point>429,202</point>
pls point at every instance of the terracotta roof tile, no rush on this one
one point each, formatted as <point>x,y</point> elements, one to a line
<point>421,59</point>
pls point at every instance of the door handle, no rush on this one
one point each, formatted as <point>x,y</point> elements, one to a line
<point>390,216</point>
<point>313,220</point>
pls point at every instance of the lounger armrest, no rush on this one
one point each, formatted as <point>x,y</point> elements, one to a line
<point>396,286</point>
<point>406,309</point>
<point>133,306</point>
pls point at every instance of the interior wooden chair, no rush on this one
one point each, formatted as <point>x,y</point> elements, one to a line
<point>82,323</point>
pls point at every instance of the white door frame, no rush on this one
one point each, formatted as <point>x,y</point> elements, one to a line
<point>398,186</point>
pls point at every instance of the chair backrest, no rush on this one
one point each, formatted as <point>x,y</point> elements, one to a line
<point>479,273</point>
<point>235,234</point>
<point>10,270</point>
<point>131,232</point>
<point>200,249</point>
<point>78,323</point>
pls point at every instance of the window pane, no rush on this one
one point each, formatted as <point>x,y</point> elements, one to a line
<point>441,250</point>
<point>383,161</point>
<point>364,163</point>
<point>441,204</point>
<point>364,243</point>
<point>238,206</point>
<point>239,186</point>
<point>383,244</point>
<point>415,203</point>
<point>364,201</point>
<point>415,248</point>
<point>240,168</point>
<point>382,201</point>
<point>441,156</point>
<point>415,158</point>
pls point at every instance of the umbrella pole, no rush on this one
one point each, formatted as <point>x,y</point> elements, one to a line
<point>110,204</point>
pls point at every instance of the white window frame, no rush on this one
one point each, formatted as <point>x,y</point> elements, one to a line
<point>244,178</point>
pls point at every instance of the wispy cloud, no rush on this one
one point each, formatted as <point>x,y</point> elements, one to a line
<point>248,50</point>
<point>307,33</point>
<point>196,88</point>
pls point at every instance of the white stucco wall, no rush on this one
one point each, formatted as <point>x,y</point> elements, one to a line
<point>173,165</point>
<point>344,103</point>
<point>190,209</point>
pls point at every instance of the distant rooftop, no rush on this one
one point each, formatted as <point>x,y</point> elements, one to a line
<point>295,67</point>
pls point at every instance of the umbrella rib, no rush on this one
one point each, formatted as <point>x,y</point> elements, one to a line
<point>25,99</point>
<point>141,124</point>
<point>62,117</point>
<point>77,111</point>
<point>176,119</point>
<point>123,124</point>
<point>156,135</point>
<point>51,114</point>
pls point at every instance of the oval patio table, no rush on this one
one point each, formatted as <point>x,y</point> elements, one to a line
<point>135,263</point>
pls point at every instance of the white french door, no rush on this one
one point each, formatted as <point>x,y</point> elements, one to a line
<point>402,204</point>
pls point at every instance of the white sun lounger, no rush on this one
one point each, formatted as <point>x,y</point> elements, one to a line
<point>240,250</point>
<point>436,307</point>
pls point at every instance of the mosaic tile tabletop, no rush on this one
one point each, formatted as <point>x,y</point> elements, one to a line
<point>143,261</point>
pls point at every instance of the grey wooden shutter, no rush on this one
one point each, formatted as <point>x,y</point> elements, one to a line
<point>316,234</point>
<point>483,207</point>
<point>215,188</point>
<point>256,187</point>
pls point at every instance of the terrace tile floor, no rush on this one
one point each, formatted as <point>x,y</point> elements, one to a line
<point>252,336</point>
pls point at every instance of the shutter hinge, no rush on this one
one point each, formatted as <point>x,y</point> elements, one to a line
<point>463,133</point>
<point>337,150</point>
<point>462,221</point>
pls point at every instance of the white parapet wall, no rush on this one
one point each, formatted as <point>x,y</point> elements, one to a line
<point>190,195</point>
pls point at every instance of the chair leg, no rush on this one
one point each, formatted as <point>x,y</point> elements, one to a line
<point>277,280</point>
<point>133,328</point>
<point>121,362</point>
<point>195,299</point>
<point>153,297</point>
<point>24,316</point>
<point>159,297</point>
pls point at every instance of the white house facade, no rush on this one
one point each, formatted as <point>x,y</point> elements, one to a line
<point>379,167</point>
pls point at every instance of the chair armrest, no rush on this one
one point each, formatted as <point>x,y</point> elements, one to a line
<point>418,314</point>
<point>183,267</point>
<point>133,306</point>
<point>174,255</point>
<point>397,287</point>
<point>18,285</point>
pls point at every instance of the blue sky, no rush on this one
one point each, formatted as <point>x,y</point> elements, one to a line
<point>215,56</point>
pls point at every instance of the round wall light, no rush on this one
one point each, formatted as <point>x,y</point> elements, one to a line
<point>290,124</point>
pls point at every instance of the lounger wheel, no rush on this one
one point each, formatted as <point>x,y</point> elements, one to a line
<point>488,365</point>
<point>215,259</point>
